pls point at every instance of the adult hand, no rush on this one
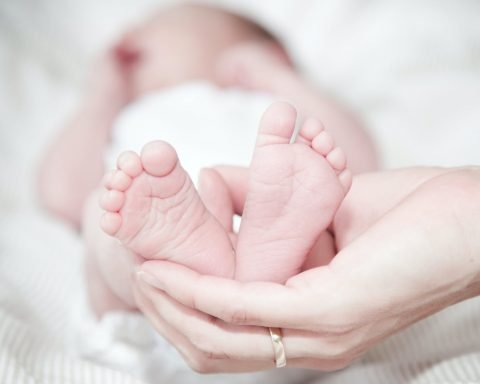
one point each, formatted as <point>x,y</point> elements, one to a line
<point>418,258</point>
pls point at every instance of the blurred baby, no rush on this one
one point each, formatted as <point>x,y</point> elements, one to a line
<point>149,207</point>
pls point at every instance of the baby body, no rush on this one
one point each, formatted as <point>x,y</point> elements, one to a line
<point>142,62</point>
<point>162,114</point>
<point>150,209</point>
<point>234,146</point>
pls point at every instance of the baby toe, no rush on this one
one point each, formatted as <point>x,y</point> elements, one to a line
<point>310,129</point>
<point>107,179</point>
<point>345,177</point>
<point>120,181</point>
<point>111,222</point>
<point>337,159</point>
<point>323,143</point>
<point>129,162</point>
<point>112,200</point>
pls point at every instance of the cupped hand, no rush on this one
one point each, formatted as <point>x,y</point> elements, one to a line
<point>418,258</point>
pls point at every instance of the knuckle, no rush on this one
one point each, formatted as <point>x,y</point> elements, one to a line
<point>215,321</point>
<point>214,355</point>
<point>236,314</point>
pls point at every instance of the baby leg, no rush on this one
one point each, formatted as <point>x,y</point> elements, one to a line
<point>294,191</point>
<point>258,66</point>
<point>153,209</point>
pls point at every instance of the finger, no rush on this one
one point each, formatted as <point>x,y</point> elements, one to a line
<point>236,180</point>
<point>209,334</point>
<point>250,347</point>
<point>216,197</point>
<point>198,360</point>
<point>148,309</point>
<point>252,303</point>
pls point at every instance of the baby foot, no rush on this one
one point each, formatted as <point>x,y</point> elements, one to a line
<point>154,210</point>
<point>294,193</point>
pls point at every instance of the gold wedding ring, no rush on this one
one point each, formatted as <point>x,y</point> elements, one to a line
<point>278,349</point>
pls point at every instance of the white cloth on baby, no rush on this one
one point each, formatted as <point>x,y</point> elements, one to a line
<point>206,125</point>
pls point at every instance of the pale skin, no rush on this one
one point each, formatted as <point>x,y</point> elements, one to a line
<point>137,65</point>
<point>252,66</point>
<point>176,45</point>
<point>143,61</point>
<point>401,258</point>
<point>218,324</point>
<point>151,207</point>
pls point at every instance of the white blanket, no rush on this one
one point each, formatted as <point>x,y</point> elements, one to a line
<point>410,69</point>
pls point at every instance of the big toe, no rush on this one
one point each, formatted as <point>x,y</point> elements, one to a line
<point>159,158</point>
<point>277,125</point>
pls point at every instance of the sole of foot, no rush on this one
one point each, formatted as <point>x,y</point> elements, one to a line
<point>294,192</point>
<point>151,206</point>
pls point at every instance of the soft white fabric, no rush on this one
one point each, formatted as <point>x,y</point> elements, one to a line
<point>410,69</point>
<point>206,125</point>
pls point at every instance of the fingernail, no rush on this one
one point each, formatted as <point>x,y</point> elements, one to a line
<point>150,280</point>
